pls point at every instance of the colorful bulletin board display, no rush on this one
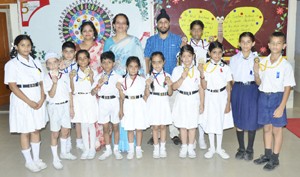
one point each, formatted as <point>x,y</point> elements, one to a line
<point>225,20</point>
<point>52,22</point>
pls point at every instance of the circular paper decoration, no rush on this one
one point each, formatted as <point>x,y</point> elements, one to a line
<point>80,11</point>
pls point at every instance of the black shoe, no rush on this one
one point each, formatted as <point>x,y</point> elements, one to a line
<point>271,165</point>
<point>240,154</point>
<point>176,140</point>
<point>248,156</point>
<point>150,141</point>
<point>261,160</point>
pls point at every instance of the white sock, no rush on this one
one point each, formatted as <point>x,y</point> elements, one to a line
<point>27,155</point>
<point>191,147</point>
<point>156,147</point>
<point>184,146</point>
<point>138,148</point>
<point>69,144</point>
<point>211,137</point>
<point>36,151</point>
<point>79,141</point>
<point>131,147</point>
<point>219,142</point>
<point>108,147</point>
<point>54,153</point>
<point>63,145</point>
<point>116,147</point>
<point>85,136</point>
<point>162,145</point>
<point>201,133</point>
<point>92,130</point>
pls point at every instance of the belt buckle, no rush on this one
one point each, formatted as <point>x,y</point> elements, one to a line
<point>132,97</point>
<point>161,94</point>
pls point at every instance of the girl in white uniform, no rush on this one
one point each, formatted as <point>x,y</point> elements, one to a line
<point>158,113</point>
<point>85,105</point>
<point>131,89</point>
<point>27,114</point>
<point>187,104</point>
<point>215,79</point>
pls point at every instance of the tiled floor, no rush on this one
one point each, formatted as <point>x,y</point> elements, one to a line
<point>12,162</point>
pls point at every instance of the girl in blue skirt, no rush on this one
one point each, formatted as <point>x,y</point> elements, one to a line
<point>244,95</point>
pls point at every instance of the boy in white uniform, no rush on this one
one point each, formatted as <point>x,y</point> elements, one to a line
<point>275,77</point>
<point>57,87</point>
<point>109,103</point>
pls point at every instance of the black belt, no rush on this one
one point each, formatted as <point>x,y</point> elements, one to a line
<point>159,94</point>
<point>107,97</point>
<point>133,97</point>
<point>188,93</point>
<point>246,83</point>
<point>62,102</point>
<point>83,93</point>
<point>28,85</point>
<point>217,90</point>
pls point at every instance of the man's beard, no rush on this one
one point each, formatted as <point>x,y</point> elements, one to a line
<point>163,32</point>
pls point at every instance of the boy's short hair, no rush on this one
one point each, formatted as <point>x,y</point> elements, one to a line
<point>278,34</point>
<point>197,22</point>
<point>68,44</point>
<point>107,55</point>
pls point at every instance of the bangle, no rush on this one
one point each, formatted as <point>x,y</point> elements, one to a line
<point>202,77</point>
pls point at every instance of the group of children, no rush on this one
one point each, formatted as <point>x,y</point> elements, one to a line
<point>75,94</point>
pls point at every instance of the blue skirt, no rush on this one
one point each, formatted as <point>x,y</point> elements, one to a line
<point>267,104</point>
<point>244,106</point>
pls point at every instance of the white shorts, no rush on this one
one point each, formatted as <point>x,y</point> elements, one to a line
<point>109,111</point>
<point>59,115</point>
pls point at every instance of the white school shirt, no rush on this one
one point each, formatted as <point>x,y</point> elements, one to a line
<point>137,88</point>
<point>200,49</point>
<point>217,78</point>
<point>242,69</point>
<point>23,71</point>
<point>63,88</point>
<point>274,79</point>
<point>190,83</point>
<point>158,81</point>
<point>72,66</point>
<point>110,88</point>
<point>81,82</point>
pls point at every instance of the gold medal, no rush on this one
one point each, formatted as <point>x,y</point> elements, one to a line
<point>256,60</point>
<point>201,61</point>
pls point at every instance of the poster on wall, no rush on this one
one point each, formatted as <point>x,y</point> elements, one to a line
<point>225,20</point>
<point>52,22</point>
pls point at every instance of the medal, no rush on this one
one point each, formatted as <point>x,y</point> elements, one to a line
<point>201,60</point>
<point>256,60</point>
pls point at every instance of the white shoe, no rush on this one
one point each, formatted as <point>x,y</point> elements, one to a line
<point>192,153</point>
<point>223,154</point>
<point>139,153</point>
<point>84,155</point>
<point>40,164</point>
<point>91,154</point>
<point>162,153</point>
<point>57,165</point>
<point>80,146</point>
<point>202,144</point>
<point>210,153</point>
<point>130,155</point>
<point>183,152</point>
<point>118,155</point>
<point>156,154</point>
<point>105,155</point>
<point>32,167</point>
<point>68,156</point>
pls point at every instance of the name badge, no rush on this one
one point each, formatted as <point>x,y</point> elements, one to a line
<point>277,74</point>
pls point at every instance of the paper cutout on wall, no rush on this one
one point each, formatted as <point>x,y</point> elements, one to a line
<point>239,20</point>
<point>74,15</point>
<point>29,7</point>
